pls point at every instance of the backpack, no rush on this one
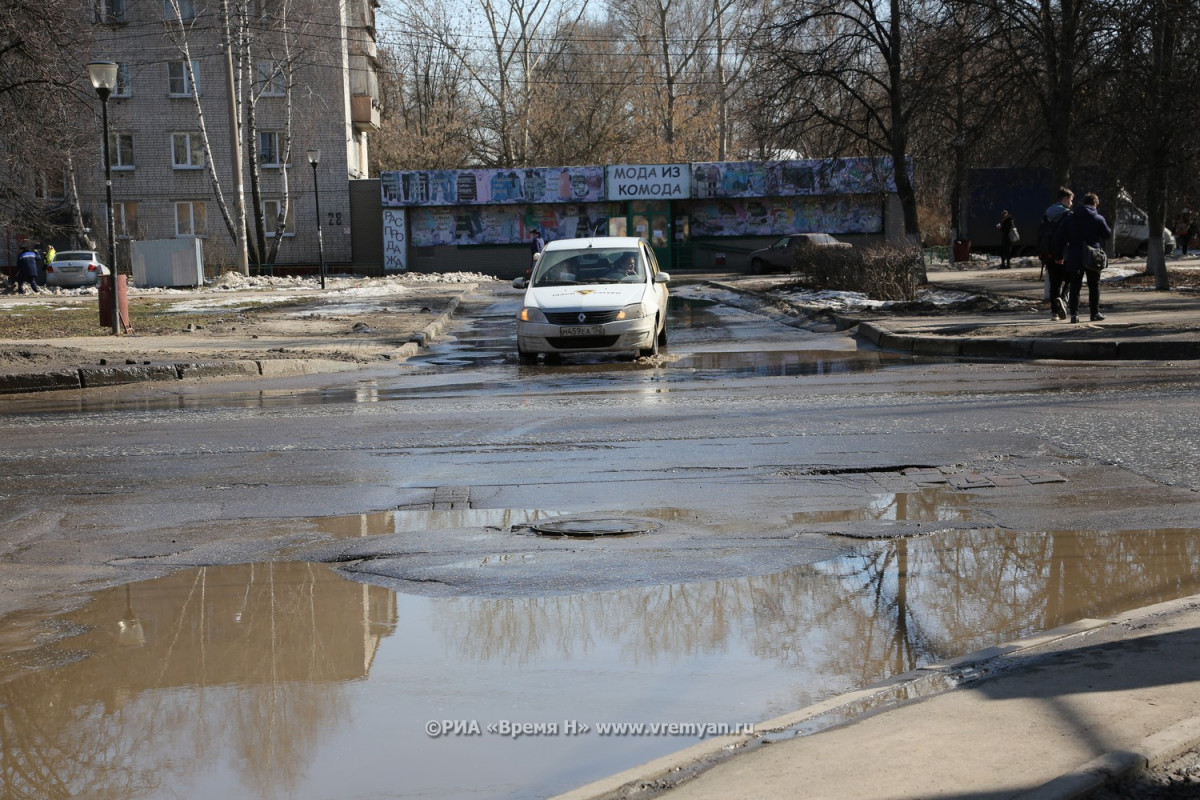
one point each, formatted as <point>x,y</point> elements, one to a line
<point>1046,233</point>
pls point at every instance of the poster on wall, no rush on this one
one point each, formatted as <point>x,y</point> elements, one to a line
<point>778,216</point>
<point>508,225</point>
<point>467,187</point>
<point>804,177</point>
<point>395,243</point>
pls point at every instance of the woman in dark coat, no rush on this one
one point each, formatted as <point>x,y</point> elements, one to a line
<point>1006,243</point>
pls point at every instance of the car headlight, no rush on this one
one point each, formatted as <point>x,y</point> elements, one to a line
<point>531,314</point>
<point>634,311</point>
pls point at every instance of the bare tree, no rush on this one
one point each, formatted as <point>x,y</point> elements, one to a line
<point>43,91</point>
<point>269,43</point>
<point>848,67</point>
<point>518,36</point>
<point>682,48</point>
<point>1158,74</point>
<point>1049,49</point>
<point>428,117</point>
<point>580,110</point>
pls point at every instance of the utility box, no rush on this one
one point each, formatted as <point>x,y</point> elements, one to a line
<point>167,262</point>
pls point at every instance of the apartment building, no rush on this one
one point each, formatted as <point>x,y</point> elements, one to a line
<point>305,78</point>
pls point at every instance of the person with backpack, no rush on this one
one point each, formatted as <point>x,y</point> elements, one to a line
<point>1085,228</point>
<point>1052,256</point>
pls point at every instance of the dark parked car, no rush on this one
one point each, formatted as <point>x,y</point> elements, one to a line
<point>783,254</point>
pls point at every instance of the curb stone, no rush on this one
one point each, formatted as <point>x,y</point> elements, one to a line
<point>96,376</point>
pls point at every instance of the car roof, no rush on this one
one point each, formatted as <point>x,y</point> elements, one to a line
<point>608,242</point>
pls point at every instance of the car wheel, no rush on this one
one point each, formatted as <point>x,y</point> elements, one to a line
<point>652,350</point>
<point>756,267</point>
<point>526,358</point>
<point>1143,249</point>
<point>662,336</point>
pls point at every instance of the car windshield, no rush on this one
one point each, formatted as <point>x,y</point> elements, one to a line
<point>594,265</point>
<point>74,255</point>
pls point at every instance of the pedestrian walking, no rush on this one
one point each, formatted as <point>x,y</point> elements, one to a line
<point>27,269</point>
<point>1052,255</point>
<point>1083,229</point>
<point>1008,238</point>
<point>536,246</point>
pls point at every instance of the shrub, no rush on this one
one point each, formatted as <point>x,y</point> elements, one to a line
<point>882,272</point>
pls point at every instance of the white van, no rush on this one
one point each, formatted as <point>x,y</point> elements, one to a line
<point>1131,233</point>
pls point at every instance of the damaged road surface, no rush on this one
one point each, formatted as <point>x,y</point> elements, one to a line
<point>355,585</point>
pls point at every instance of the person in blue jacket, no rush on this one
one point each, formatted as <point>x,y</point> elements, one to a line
<point>1084,227</point>
<point>27,269</point>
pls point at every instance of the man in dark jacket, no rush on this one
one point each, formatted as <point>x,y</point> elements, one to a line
<point>27,269</point>
<point>1085,227</point>
<point>1052,256</point>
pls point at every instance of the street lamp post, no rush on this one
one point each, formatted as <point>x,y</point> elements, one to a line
<point>103,75</point>
<point>314,158</point>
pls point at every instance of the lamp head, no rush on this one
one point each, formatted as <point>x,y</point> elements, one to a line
<point>314,156</point>
<point>103,75</point>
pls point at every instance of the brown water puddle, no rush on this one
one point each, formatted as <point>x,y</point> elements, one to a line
<point>382,523</point>
<point>284,680</point>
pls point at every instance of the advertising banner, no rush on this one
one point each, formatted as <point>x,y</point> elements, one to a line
<point>395,242</point>
<point>778,216</point>
<point>814,176</point>
<point>466,187</point>
<point>508,224</point>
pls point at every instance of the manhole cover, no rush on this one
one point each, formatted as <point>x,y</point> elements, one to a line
<point>593,527</point>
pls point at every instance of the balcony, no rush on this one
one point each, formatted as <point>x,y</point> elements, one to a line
<point>364,112</point>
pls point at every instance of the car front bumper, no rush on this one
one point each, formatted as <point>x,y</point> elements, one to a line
<point>614,337</point>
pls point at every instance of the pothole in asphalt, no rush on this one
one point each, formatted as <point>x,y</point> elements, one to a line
<point>589,528</point>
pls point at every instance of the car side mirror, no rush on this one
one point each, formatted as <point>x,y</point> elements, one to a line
<point>662,277</point>
<point>518,283</point>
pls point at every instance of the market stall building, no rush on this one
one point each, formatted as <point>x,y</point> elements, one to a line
<point>695,216</point>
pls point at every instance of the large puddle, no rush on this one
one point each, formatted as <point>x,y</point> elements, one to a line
<point>285,680</point>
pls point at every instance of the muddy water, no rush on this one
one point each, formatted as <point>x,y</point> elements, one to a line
<point>284,680</point>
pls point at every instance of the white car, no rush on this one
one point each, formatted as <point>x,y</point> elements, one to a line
<point>599,295</point>
<point>75,268</point>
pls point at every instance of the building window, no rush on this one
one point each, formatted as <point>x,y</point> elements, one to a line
<point>124,87</point>
<point>110,11</point>
<point>269,79</point>
<point>270,150</point>
<point>125,219</point>
<point>271,215</point>
<point>179,79</point>
<point>120,150</point>
<point>191,218</point>
<point>187,151</point>
<point>179,10</point>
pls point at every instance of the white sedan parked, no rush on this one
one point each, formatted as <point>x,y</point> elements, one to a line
<point>75,268</point>
<point>593,295</point>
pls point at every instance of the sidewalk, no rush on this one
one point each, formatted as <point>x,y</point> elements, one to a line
<point>1140,325</point>
<point>1055,716</point>
<point>318,332</point>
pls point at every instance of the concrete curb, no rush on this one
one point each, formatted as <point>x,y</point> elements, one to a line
<point>1028,347</point>
<point>671,769</point>
<point>105,375</point>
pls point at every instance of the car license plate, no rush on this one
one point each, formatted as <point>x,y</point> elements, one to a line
<point>582,330</point>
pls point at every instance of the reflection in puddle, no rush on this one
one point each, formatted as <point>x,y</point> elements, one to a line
<point>382,523</point>
<point>927,505</point>
<point>793,362</point>
<point>284,680</point>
